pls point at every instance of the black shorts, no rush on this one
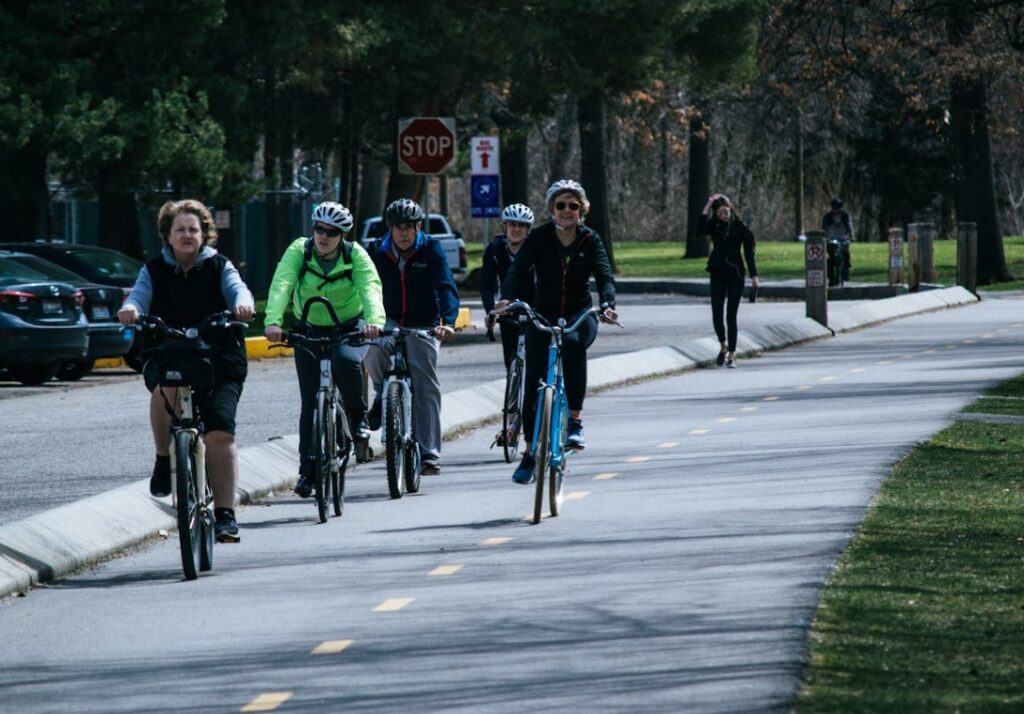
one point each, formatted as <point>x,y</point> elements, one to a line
<point>218,406</point>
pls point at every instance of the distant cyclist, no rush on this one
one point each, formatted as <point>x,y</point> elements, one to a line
<point>517,220</point>
<point>555,263</point>
<point>329,266</point>
<point>839,228</point>
<point>419,293</point>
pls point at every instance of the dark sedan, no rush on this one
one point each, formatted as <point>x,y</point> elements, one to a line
<point>41,322</point>
<point>99,303</point>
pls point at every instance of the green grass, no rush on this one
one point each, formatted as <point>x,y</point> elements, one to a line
<point>925,610</point>
<point>1006,398</point>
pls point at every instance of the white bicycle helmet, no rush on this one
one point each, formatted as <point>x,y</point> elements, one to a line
<point>333,214</point>
<point>563,185</point>
<point>517,213</point>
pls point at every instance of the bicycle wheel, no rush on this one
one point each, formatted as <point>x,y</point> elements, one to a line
<point>321,455</point>
<point>341,462</point>
<point>189,516</point>
<point>558,468</point>
<point>206,554</point>
<point>394,447</point>
<point>512,410</point>
<point>413,464</point>
<point>543,447</point>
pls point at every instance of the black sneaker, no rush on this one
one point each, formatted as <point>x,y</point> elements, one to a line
<point>430,467</point>
<point>304,488</point>
<point>160,481</point>
<point>720,360</point>
<point>225,528</point>
<point>373,416</point>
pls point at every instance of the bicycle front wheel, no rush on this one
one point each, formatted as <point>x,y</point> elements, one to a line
<point>322,455</point>
<point>558,466</point>
<point>188,507</point>
<point>341,462</point>
<point>543,447</point>
<point>394,446</point>
<point>512,410</point>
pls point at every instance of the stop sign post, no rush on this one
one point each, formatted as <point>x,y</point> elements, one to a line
<point>426,145</point>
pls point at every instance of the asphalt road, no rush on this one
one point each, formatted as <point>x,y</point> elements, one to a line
<point>701,522</point>
<point>63,442</point>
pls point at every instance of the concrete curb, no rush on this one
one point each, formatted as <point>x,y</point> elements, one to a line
<point>49,545</point>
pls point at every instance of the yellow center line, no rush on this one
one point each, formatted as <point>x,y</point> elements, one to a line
<point>445,570</point>
<point>267,702</point>
<point>987,336</point>
<point>748,409</point>
<point>668,444</point>
<point>698,432</point>
<point>725,420</point>
<point>576,495</point>
<point>804,388</point>
<point>827,379</point>
<point>770,399</point>
<point>607,475</point>
<point>331,647</point>
<point>951,347</point>
<point>928,352</point>
<point>498,540</point>
<point>910,356</point>
<point>393,604</point>
<point>637,459</point>
<point>969,342</point>
<point>884,362</point>
<point>857,370</point>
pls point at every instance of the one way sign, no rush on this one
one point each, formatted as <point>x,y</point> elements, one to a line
<point>483,153</point>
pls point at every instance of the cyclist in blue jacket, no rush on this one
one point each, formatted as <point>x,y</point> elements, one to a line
<point>419,293</point>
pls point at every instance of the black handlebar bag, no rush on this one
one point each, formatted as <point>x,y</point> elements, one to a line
<point>179,363</point>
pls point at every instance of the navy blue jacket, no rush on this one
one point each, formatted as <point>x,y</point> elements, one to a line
<point>424,293</point>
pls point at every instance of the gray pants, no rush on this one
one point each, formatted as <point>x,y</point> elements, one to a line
<point>426,390</point>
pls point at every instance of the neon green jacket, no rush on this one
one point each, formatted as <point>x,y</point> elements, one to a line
<point>359,292</point>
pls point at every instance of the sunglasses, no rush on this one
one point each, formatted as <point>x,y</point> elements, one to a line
<point>572,206</point>
<point>329,232</point>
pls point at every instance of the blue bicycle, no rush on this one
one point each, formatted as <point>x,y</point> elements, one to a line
<point>550,425</point>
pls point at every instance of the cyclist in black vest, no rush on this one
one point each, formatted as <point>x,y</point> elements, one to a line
<point>555,265</point>
<point>329,266</point>
<point>517,220</point>
<point>186,282</point>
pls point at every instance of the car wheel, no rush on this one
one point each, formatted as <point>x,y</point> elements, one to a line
<point>74,371</point>
<point>36,373</point>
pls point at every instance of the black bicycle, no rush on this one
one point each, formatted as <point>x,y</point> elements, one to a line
<point>183,361</point>
<point>401,452</point>
<point>510,435</point>
<point>331,441</point>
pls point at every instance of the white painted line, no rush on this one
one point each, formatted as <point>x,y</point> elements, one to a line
<point>637,459</point>
<point>748,409</point>
<point>267,702</point>
<point>445,570</point>
<point>606,476</point>
<point>698,432</point>
<point>498,540</point>
<point>576,495</point>
<point>725,420</point>
<point>393,604</point>
<point>331,647</point>
<point>770,399</point>
<point>668,444</point>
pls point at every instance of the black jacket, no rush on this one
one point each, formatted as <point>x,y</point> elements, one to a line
<point>726,241</point>
<point>561,277</point>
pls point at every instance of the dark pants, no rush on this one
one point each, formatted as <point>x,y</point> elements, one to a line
<point>726,292</point>
<point>347,366</point>
<point>509,339</point>
<point>574,367</point>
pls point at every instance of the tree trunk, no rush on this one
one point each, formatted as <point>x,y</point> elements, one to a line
<point>699,187</point>
<point>798,187</point>
<point>24,198</point>
<point>514,166</point>
<point>119,222</point>
<point>593,170</point>
<point>372,194</point>
<point>567,122</point>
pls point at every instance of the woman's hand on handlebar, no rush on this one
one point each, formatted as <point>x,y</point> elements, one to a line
<point>243,313</point>
<point>371,332</point>
<point>274,333</point>
<point>128,315</point>
<point>443,332</point>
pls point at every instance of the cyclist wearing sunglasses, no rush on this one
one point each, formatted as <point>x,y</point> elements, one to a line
<point>419,293</point>
<point>517,220</point>
<point>556,262</point>
<point>327,265</point>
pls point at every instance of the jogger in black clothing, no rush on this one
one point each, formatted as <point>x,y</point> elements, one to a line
<point>726,266</point>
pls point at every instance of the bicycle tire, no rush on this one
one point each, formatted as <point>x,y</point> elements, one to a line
<point>413,467</point>
<point>556,477</point>
<point>206,553</point>
<point>511,422</point>
<point>394,447</point>
<point>543,451</point>
<point>344,448</point>
<point>321,457</point>
<point>187,506</point>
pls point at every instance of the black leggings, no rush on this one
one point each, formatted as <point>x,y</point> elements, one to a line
<point>509,339</point>
<point>726,285</point>
<point>574,366</point>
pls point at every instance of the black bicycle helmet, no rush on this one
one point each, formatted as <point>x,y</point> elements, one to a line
<point>837,202</point>
<point>404,210</point>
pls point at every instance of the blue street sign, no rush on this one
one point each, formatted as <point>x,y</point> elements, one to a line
<point>486,197</point>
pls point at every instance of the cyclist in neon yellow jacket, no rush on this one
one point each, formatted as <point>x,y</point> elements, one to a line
<point>342,272</point>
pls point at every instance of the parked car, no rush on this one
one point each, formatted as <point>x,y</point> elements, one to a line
<point>42,323</point>
<point>102,266</point>
<point>438,226</point>
<point>99,305</point>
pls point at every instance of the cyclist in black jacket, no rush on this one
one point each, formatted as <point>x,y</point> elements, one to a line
<point>556,261</point>
<point>517,220</point>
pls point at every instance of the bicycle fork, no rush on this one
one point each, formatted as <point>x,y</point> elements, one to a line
<point>198,448</point>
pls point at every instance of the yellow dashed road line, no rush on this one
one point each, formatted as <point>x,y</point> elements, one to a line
<point>698,432</point>
<point>770,399</point>
<point>884,362</point>
<point>748,409</point>
<point>393,604</point>
<point>827,379</point>
<point>857,370</point>
<point>445,570</point>
<point>668,444</point>
<point>576,495</point>
<point>606,476</point>
<point>267,702</point>
<point>637,459</point>
<point>969,342</point>
<point>725,420</point>
<point>496,541</point>
<point>804,388</point>
<point>331,647</point>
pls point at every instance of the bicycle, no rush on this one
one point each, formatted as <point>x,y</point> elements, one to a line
<point>184,361</point>
<point>402,456</point>
<point>512,406</point>
<point>551,422</point>
<point>836,263</point>
<point>331,440</point>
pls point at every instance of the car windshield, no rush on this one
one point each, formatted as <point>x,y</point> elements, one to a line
<point>30,269</point>
<point>109,263</point>
<point>437,227</point>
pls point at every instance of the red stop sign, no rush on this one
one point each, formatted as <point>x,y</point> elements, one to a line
<point>426,145</point>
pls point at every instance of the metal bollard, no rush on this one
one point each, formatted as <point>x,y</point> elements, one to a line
<point>895,259</point>
<point>816,292</point>
<point>967,256</point>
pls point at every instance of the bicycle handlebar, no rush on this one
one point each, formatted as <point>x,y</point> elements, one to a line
<point>323,301</point>
<point>220,320</point>
<point>518,306</point>
<point>301,339</point>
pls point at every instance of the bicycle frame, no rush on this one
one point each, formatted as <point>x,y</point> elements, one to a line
<point>185,420</point>
<point>554,378</point>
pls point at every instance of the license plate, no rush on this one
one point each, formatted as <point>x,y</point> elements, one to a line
<point>51,306</point>
<point>100,312</point>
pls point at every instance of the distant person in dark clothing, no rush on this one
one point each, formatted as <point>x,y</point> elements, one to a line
<point>517,220</point>
<point>729,236</point>
<point>838,228</point>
